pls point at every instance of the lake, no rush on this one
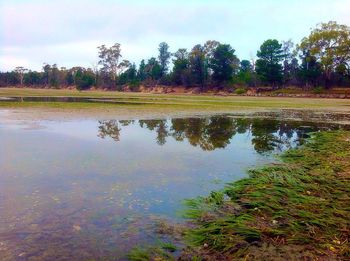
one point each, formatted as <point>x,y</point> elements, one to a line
<point>86,189</point>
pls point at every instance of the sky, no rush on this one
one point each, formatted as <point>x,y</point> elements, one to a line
<point>67,32</point>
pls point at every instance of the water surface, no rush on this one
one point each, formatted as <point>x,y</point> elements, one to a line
<point>85,189</point>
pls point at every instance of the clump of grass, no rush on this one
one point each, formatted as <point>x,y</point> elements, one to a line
<point>168,246</point>
<point>297,209</point>
<point>139,254</point>
<point>161,251</point>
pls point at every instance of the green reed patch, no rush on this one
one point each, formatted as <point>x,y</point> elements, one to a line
<point>297,209</point>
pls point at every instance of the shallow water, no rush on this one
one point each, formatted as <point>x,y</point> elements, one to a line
<point>79,190</point>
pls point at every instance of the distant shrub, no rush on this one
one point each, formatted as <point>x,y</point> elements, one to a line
<point>240,91</point>
<point>317,90</point>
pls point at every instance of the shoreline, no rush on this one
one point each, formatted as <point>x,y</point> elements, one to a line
<point>66,114</point>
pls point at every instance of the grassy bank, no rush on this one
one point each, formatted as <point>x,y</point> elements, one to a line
<point>294,210</point>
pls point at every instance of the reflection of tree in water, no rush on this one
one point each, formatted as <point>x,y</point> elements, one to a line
<point>126,122</point>
<point>109,129</point>
<point>263,138</point>
<point>208,134</point>
<point>160,126</point>
<point>217,132</point>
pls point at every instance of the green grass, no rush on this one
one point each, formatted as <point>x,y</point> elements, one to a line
<point>162,251</point>
<point>175,101</point>
<point>298,209</point>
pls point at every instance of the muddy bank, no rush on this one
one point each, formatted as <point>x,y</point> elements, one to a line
<point>336,93</point>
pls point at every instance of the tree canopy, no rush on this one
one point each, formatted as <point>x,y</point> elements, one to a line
<point>329,43</point>
<point>268,66</point>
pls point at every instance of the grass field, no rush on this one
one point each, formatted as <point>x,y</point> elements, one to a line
<point>174,101</point>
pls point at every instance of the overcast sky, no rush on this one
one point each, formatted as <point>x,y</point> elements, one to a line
<point>67,32</point>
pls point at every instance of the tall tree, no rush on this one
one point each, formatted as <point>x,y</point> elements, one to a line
<point>20,71</point>
<point>164,57</point>
<point>209,48</point>
<point>198,65</point>
<point>290,63</point>
<point>181,65</point>
<point>268,65</point>
<point>54,79</point>
<point>153,69</point>
<point>223,63</point>
<point>47,72</point>
<point>329,43</point>
<point>141,73</point>
<point>110,60</point>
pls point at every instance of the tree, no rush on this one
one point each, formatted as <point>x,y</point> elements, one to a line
<point>223,63</point>
<point>209,47</point>
<point>110,60</point>
<point>54,79</point>
<point>198,65</point>
<point>128,76</point>
<point>268,65</point>
<point>32,78</point>
<point>290,63</point>
<point>84,79</point>
<point>19,70</point>
<point>246,74</point>
<point>329,43</point>
<point>310,70</point>
<point>246,66</point>
<point>141,73</point>
<point>153,69</point>
<point>47,70</point>
<point>180,74</point>
<point>51,75</point>
<point>164,56</point>
<point>70,77</point>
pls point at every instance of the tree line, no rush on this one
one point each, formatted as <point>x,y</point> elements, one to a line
<point>320,59</point>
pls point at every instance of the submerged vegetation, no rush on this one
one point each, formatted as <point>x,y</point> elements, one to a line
<point>293,210</point>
